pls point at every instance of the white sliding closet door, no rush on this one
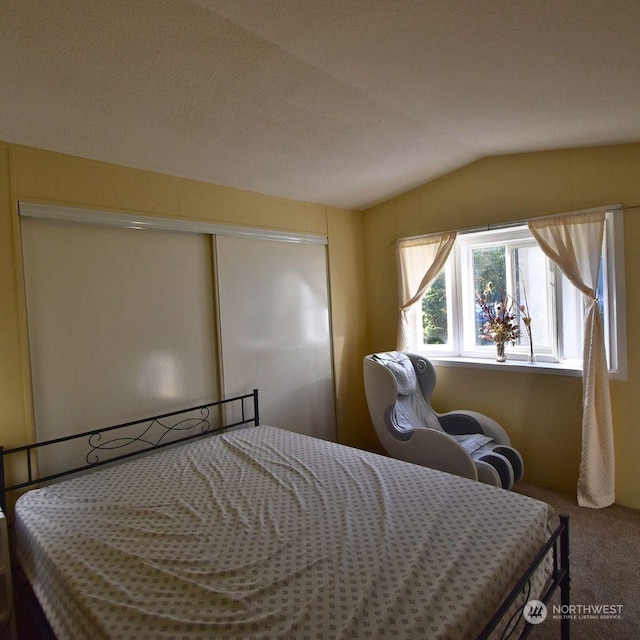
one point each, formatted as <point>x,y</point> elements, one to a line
<point>274,322</point>
<point>121,324</point>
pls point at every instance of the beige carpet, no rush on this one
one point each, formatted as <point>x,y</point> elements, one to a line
<point>605,567</point>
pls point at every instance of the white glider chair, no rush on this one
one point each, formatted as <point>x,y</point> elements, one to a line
<point>398,388</point>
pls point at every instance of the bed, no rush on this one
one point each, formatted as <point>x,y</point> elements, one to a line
<point>259,532</point>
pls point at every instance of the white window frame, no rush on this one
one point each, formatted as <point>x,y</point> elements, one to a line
<point>457,351</point>
<point>513,238</point>
<point>415,315</point>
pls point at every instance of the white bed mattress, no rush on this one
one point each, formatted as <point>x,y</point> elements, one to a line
<point>263,533</point>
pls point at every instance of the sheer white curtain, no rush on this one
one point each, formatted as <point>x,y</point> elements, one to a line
<point>574,243</point>
<point>419,262</point>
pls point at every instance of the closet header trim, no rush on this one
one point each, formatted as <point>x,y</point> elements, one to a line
<point>135,221</point>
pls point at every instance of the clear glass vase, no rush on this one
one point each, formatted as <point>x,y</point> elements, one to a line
<point>531,359</point>
<point>501,354</point>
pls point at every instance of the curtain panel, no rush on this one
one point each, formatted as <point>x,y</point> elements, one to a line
<point>419,262</point>
<point>574,243</point>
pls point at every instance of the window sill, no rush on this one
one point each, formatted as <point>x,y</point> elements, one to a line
<point>550,368</point>
<point>572,369</point>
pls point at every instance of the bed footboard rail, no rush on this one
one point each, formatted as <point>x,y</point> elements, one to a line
<point>558,545</point>
<point>143,436</point>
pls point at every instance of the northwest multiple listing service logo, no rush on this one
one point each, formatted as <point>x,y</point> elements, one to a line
<point>535,611</point>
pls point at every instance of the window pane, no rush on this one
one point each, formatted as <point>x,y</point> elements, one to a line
<point>572,313</point>
<point>434,311</point>
<point>490,279</point>
<point>532,292</point>
<point>601,292</point>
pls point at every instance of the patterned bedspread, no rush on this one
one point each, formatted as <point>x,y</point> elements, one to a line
<point>263,533</point>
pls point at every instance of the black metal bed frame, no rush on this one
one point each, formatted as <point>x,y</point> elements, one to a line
<point>96,444</point>
<point>558,543</point>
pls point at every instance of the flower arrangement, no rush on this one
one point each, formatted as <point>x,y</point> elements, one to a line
<point>501,322</point>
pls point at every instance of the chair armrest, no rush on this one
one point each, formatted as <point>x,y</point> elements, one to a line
<point>462,422</point>
<point>381,391</point>
<point>437,450</point>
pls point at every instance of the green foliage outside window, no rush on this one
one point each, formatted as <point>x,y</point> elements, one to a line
<point>488,267</point>
<point>490,279</point>
<point>434,312</point>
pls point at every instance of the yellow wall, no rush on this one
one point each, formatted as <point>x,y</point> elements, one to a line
<point>41,176</point>
<point>542,413</point>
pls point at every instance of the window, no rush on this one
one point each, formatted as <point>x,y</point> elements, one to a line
<point>507,264</point>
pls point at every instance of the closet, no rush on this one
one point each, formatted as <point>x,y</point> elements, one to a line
<point>274,325</point>
<point>130,316</point>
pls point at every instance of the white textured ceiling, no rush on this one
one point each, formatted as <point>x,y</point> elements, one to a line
<point>340,102</point>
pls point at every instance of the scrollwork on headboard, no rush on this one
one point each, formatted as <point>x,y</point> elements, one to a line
<point>153,432</point>
<point>146,436</point>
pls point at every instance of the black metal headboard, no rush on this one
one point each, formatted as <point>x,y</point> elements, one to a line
<point>152,434</point>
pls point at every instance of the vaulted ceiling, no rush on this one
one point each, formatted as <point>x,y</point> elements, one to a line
<point>340,102</point>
